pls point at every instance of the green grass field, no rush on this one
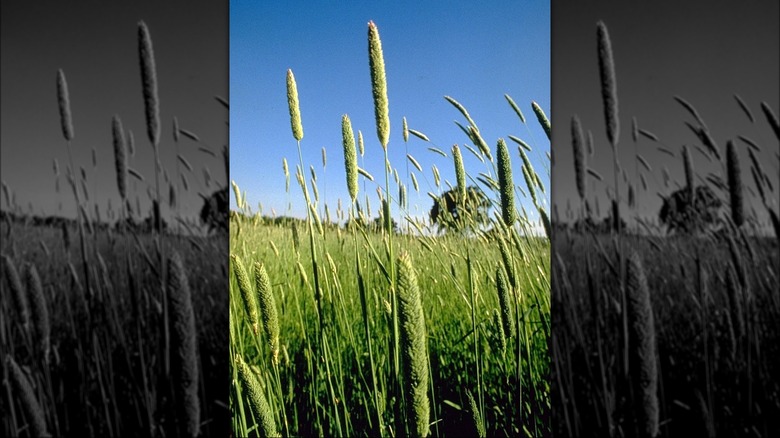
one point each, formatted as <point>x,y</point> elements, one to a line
<point>333,392</point>
<point>355,329</point>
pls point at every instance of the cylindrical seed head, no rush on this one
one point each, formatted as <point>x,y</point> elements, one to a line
<point>39,311</point>
<point>268,308</point>
<point>608,83</point>
<point>245,287</point>
<point>63,98</point>
<point>543,120</point>
<point>735,184</point>
<point>120,156</point>
<point>413,345</point>
<point>460,173</point>
<point>185,344</point>
<point>579,155</point>
<point>17,291</point>
<point>24,390</point>
<point>378,84</point>
<point>642,348</point>
<point>254,393</point>
<point>295,109</point>
<point>771,118</point>
<point>149,83</point>
<point>505,302</point>
<point>689,175</point>
<point>506,184</point>
<point>350,156</point>
<point>130,143</point>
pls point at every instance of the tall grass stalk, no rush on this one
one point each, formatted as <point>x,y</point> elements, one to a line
<point>184,339</point>
<point>39,311</point>
<point>644,370</point>
<point>612,121</point>
<point>257,401</point>
<point>30,405</point>
<point>506,184</point>
<point>735,185</point>
<point>18,295</point>
<point>268,309</point>
<point>414,346</point>
<point>66,120</point>
<point>382,119</point>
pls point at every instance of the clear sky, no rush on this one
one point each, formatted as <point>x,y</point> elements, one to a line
<point>703,51</point>
<point>95,43</point>
<point>472,52</point>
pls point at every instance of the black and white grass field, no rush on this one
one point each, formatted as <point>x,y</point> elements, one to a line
<point>665,244</point>
<point>114,268</point>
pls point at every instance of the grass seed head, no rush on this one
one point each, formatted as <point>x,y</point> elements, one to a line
<point>295,109</point>
<point>413,345</point>
<point>476,416</point>
<point>251,387</point>
<point>268,308</point>
<point>184,340</point>
<point>378,84</point>
<point>460,172</point>
<point>120,156</point>
<point>771,118</point>
<point>63,98</point>
<point>24,390</point>
<point>506,184</point>
<point>17,291</point>
<point>608,83</point>
<point>245,287</point>
<point>476,137</point>
<point>39,311</point>
<point>505,302</point>
<point>500,335</point>
<point>546,222</point>
<point>350,156</point>
<point>149,83</point>
<point>530,184</point>
<point>515,108</point>
<point>579,155</point>
<point>689,173</point>
<point>642,348</point>
<point>543,120</point>
<point>735,184</point>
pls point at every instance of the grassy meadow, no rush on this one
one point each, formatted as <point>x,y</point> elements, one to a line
<point>668,327</point>
<point>340,328</point>
<point>104,368</point>
<point>108,321</point>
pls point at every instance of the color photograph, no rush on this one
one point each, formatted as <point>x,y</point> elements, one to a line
<point>389,230</point>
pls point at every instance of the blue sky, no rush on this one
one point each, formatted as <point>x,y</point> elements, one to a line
<point>472,52</point>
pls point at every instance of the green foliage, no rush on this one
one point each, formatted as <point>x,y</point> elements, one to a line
<point>451,213</point>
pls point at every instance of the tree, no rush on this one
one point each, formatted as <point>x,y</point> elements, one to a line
<point>214,212</point>
<point>679,214</point>
<point>449,213</point>
<point>378,225</point>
